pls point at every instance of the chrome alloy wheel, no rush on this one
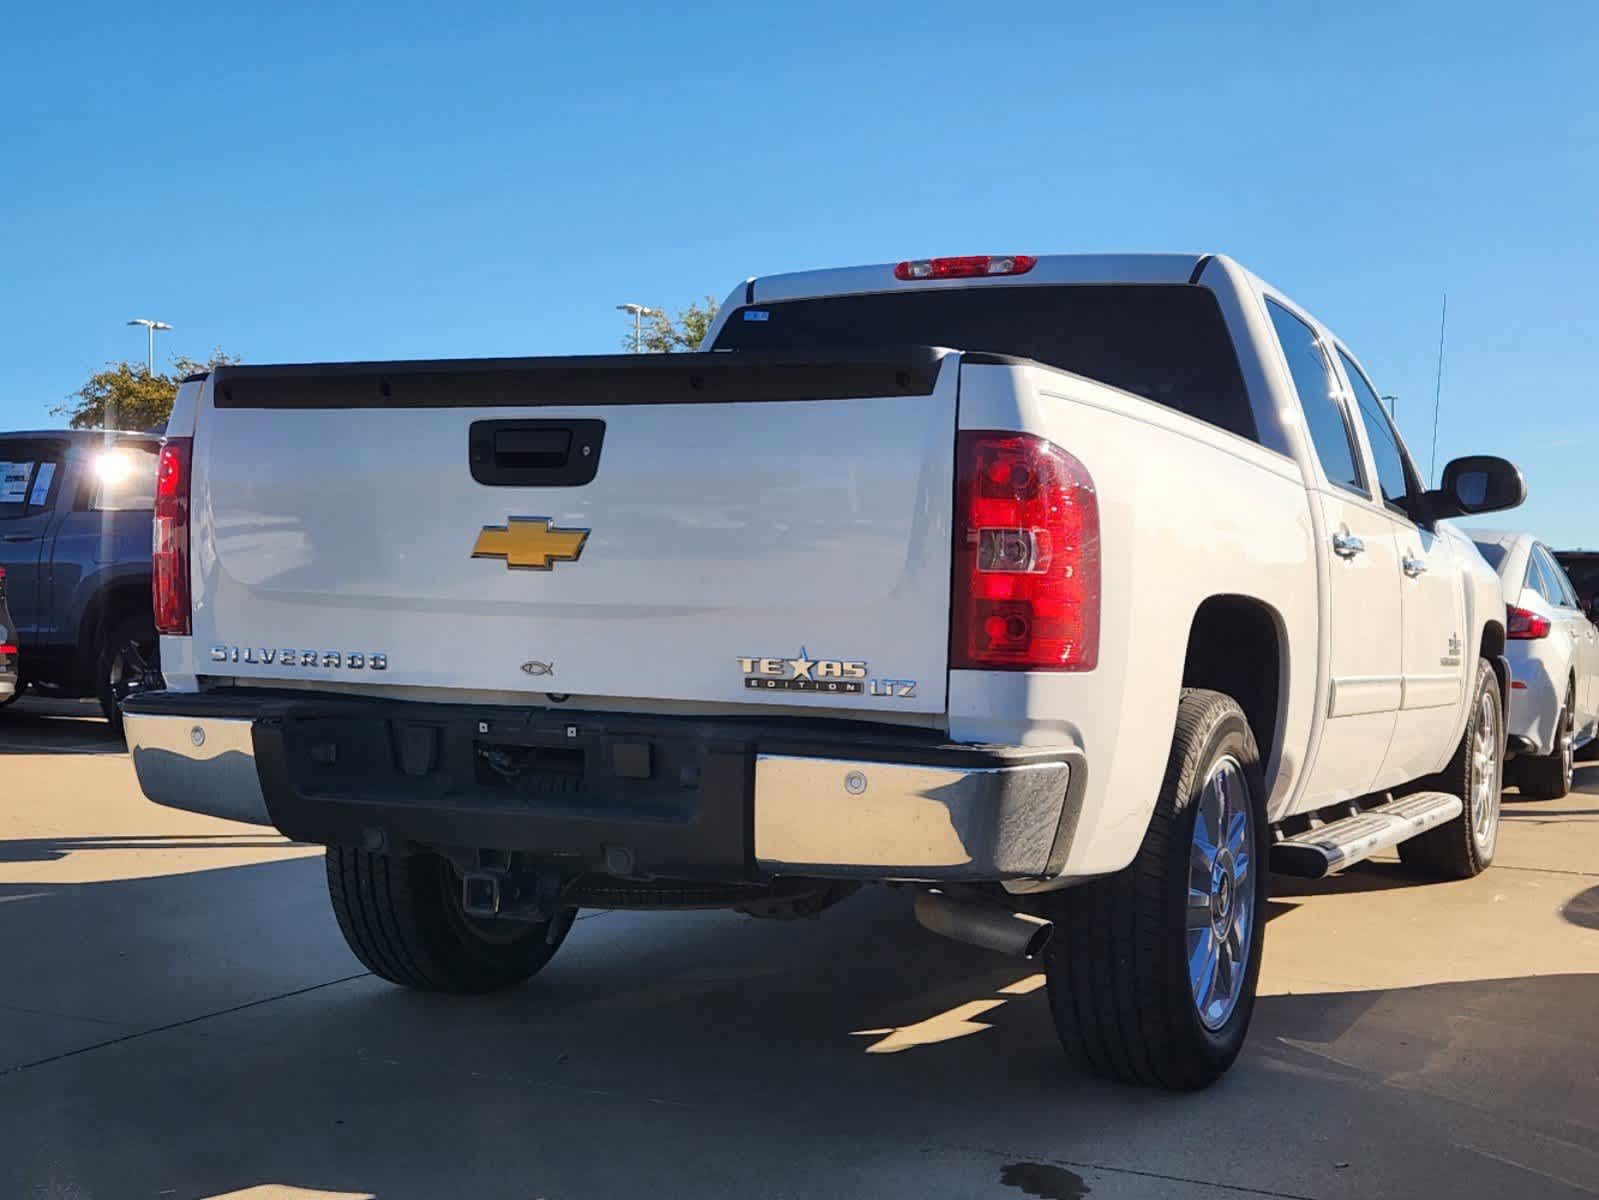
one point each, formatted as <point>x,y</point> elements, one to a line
<point>1568,745</point>
<point>1221,893</point>
<point>1486,769</point>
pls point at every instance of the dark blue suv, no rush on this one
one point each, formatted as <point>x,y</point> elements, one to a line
<point>75,520</point>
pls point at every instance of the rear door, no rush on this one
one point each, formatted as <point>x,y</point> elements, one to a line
<point>1363,580</point>
<point>30,483</point>
<point>750,528</point>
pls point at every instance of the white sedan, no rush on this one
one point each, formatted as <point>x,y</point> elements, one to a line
<point>1553,649</point>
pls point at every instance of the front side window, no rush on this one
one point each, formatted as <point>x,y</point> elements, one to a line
<point>1393,475</point>
<point>1319,397</point>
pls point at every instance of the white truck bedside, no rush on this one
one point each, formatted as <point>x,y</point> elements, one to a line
<point>1067,590</point>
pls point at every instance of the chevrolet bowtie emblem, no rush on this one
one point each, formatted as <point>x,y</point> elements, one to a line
<point>529,543</point>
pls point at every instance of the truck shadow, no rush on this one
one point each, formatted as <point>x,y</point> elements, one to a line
<point>16,850</point>
<point>813,1047</point>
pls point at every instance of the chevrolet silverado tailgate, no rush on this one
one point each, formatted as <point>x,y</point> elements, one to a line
<point>766,528</point>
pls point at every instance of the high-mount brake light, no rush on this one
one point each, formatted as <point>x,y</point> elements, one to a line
<point>1026,557</point>
<point>170,554</point>
<point>1524,625</point>
<point>969,266</point>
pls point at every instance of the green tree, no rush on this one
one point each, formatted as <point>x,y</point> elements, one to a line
<point>665,334</point>
<point>126,396</point>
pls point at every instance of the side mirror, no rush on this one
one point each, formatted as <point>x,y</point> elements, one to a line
<point>1480,483</point>
<point>1593,608</point>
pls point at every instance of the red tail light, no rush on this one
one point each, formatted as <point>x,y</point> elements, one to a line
<point>1524,625</point>
<point>966,267</point>
<point>170,558</point>
<point>7,649</point>
<point>1026,557</point>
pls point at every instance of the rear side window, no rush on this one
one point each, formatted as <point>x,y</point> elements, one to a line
<point>1540,580</point>
<point>1564,595</point>
<point>124,478</point>
<point>27,479</point>
<point>1329,427</point>
<point>1164,342</point>
<point>16,481</point>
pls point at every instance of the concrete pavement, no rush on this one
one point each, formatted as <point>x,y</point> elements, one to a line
<point>179,1017</point>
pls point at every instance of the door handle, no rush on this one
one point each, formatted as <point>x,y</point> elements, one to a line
<point>18,537</point>
<point>1346,545</point>
<point>1414,566</point>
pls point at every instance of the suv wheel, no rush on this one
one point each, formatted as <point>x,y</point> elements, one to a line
<point>129,662</point>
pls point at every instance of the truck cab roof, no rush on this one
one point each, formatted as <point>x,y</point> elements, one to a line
<point>1048,268</point>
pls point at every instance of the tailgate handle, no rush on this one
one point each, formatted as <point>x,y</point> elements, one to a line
<point>534,453</point>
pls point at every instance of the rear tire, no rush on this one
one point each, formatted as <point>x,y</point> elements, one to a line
<point>403,919</point>
<point>1464,847</point>
<point>1127,968</point>
<point>1548,776</point>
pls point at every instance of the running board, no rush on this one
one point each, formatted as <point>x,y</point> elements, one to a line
<point>1327,849</point>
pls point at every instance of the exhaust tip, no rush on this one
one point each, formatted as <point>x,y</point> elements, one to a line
<point>1019,935</point>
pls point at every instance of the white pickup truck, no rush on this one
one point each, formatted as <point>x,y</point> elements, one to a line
<point>1068,591</point>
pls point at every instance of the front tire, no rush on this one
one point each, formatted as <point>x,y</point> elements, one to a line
<point>1464,847</point>
<point>1152,972</point>
<point>402,917</point>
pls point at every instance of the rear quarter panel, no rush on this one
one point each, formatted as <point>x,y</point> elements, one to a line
<point>1187,512</point>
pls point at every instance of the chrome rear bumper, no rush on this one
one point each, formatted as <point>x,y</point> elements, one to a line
<point>675,797</point>
<point>202,764</point>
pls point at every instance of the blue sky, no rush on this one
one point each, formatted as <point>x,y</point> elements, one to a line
<point>330,181</point>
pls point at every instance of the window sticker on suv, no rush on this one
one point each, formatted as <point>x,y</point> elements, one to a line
<point>41,483</point>
<point>14,481</point>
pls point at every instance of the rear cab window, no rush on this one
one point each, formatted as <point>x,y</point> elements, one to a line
<point>1165,342</point>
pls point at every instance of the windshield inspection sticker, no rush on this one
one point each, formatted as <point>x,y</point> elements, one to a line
<point>807,674</point>
<point>756,314</point>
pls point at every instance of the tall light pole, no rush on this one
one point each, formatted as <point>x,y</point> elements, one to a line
<point>149,328</point>
<point>639,312</point>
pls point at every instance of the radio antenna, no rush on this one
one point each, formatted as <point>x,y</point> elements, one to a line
<point>1438,391</point>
